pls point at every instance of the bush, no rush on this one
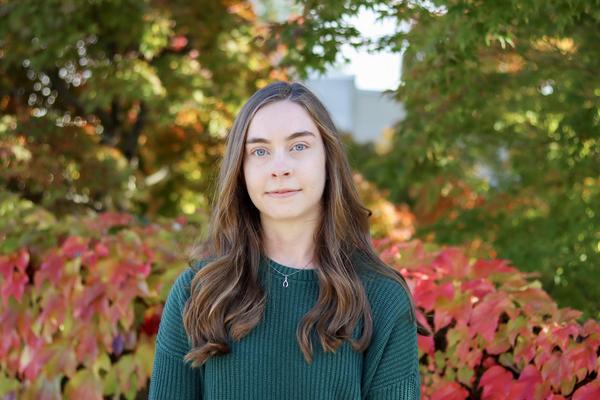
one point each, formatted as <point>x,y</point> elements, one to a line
<point>81,300</point>
<point>497,334</point>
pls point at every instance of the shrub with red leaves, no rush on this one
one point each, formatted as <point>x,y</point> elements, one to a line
<point>79,312</point>
<point>496,334</point>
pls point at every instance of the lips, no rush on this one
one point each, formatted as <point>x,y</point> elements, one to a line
<point>283,194</point>
<point>281,191</point>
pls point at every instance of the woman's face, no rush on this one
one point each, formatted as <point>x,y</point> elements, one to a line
<point>284,151</point>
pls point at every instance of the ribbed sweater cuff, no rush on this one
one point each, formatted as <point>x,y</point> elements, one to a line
<point>171,378</point>
<point>407,389</point>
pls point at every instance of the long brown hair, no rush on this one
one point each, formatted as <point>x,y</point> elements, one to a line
<point>226,299</point>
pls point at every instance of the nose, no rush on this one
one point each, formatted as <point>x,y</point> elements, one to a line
<point>281,165</point>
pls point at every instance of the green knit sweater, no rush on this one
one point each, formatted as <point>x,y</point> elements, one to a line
<point>268,364</point>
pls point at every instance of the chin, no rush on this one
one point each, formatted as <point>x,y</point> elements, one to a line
<point>283,216</point>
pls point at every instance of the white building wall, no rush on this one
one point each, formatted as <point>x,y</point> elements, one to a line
<point>362,113</point>
<point>339,96</point>
<point>374,112</point>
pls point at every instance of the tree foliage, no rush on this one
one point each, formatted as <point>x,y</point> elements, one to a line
<point>500,143</point>
<point>124,105</point>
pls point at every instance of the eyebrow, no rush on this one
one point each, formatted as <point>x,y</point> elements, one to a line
<point>290,137</point>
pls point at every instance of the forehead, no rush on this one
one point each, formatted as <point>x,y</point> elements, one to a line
<point>276,121</point>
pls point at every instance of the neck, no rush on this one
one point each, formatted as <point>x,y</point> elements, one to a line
<point>290,244</point>
<point>294,248</point>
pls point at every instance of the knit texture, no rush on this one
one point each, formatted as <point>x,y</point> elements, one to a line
<point>268,364</point>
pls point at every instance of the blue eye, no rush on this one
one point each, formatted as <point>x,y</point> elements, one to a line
<point>300,144</point>
<point>257,150</point>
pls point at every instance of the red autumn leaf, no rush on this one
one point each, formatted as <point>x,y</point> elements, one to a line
<point>6,265</point>
<point>62,360</point>
<point>528,386</point>
<point>478,287</point>
<point>14,279</point>
<point>74,246</point>
<point>444,303</point>
<point>84,385</point>
<point>485,268</point>
<point>49,389</point>
<point>18,259</point>
<point>468,354</point>
<point>582,358</point>
<point>451,261</point>
<point>591,330</point>
<point>441,318</point>
<point>107,220</point>
<point>21,259</point>
<point>422,319</point>
<point>561,334</point>
<point>9,337</point>
<point>425,344</point>
<point>501,343</point>
<point>51,268</point>
<point>591,391</point>
<point>181,219</point>
<point>496,383</point>
<point>459,308</point>
<point>445,291</point>
<point>545,345</point>
<point>518,326</point>
<point>567,314</point>
<point>13,285</point>
<point>23,327</point>
<point>89,258</point>
<point>427,292</point>
<point>101,249</point>
<point>449,391</point>
<point>93,300</point>
<point>53,314</point>
<point>33,358</point>
<point>87,347</point>
<point>151,321</point>
<point>535,301</point>
<point>121,309</point>
<point>484,318</point>
<point>178,42</point>
<point>557,371</point>
<point>553,396</point>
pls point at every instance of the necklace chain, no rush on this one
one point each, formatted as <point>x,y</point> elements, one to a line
<point>285,281</point>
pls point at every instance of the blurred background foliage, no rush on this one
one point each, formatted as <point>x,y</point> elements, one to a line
<point>500,144</point>
<point>123,105</point>
<point>113,116</point>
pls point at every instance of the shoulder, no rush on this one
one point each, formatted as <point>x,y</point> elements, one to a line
<point>181,286</point>
<point>197,264</point>
<point>171,335</point>
<point>388,297</point>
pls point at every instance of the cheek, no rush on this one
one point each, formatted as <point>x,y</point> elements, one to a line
<point>252,179</point>
<point>322,167</point>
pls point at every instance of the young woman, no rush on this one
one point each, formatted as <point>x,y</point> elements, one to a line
<point>286,298</point>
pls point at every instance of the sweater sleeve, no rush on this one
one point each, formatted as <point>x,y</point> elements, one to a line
<point>392,365</point>
<point>172,377</point>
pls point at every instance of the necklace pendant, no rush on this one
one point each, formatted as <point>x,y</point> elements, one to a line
<point>285,282</point>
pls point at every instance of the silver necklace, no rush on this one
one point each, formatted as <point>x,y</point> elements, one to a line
<point>285,281</point>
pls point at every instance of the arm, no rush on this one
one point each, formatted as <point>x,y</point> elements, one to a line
<point>392,365</point>
<point>172,377</point>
